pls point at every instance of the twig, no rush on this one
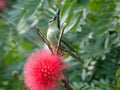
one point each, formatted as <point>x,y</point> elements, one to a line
<point>44,38</point>
<point>59,40</point>
<point>66,85</point>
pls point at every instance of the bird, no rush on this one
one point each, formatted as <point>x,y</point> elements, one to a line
<point>53,34</point>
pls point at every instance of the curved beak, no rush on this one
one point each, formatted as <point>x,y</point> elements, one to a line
<point>57,17</point>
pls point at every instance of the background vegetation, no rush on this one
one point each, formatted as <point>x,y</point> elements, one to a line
<point>93,28</point>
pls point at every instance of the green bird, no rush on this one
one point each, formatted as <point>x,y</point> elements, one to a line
<point>53,36</point>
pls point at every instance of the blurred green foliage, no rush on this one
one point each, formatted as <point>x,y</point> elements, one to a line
<point>93,28</point>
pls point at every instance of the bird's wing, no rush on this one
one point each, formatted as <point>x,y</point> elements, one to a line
<point>65,44</point>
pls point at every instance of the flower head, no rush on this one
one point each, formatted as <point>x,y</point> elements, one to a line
<point>3,4</point>
<point>42,70</point>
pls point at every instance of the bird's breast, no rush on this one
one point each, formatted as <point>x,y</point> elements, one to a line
<point>52,35</point>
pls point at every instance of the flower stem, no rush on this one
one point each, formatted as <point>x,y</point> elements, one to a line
<point>66,85</point>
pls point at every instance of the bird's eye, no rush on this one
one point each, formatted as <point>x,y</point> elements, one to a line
<point>50,20</point>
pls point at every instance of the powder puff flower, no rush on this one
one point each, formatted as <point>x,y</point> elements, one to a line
<point>42,70</point>
<point>3,4</point>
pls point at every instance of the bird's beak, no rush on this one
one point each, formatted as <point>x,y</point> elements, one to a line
<point>57,17</point>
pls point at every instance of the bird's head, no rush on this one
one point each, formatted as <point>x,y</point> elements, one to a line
<point>52,22</point>
<point>55,21</point>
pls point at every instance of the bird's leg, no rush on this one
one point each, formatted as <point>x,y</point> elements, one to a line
<point>44,39</point>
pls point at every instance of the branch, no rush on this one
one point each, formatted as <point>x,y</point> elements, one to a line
<point>66,85</point>
<point>60,37</point>
<point>44,38</point>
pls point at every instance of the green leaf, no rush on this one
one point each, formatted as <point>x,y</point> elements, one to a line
<point>118,72</point>
<point>118,82</point>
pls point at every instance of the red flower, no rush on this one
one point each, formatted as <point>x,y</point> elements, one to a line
<point>42,70</point>
<point>3,4</point>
